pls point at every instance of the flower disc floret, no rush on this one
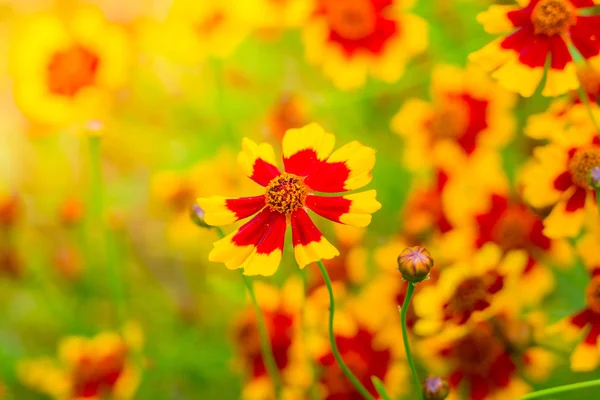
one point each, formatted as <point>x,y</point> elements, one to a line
<point>592,295</point>
<point>553,17</point>
<point>286,193</point>
<point>582,163</point>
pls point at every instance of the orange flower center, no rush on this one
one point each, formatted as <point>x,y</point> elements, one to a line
<point>71,70</point>
<point>512,230</point>
<point>211,23</point>
<point>553,17</point>
<point>449,120</point>
<point>351,19</point>
<point>477,351</point>
<point>286,193</point>
<point>592,295</point>
<point>582,162</point>
<point>467,294</point>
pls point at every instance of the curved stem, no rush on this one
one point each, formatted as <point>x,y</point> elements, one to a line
<point>403,311</point>
<point>561,389</point>
<point>334,349</point>
<point>263,334</point>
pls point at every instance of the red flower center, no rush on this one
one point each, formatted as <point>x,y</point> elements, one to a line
<point>94,376</point>
<point>513,229</point>
<point>592,295</point>
<point>468,294</point>
<point>581,163</point>
<point>351,19</point>
<point>477,351</point>
<point>71,70</point>
<point>450,120</point>
<point>553,17</point>
<point>286,193</point>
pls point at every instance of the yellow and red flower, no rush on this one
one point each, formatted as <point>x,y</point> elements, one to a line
<point>586,355</point>
<point>65,70</point>
<point>88,368</point>
<point>310,166</point>
<point>541,29</point>
<point>558,177</point>
<point>469,111</point>
<point>470,290</point>
<point>352,39</point>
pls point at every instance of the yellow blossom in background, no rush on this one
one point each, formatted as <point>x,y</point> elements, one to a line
<point>88,368</point>
<point>193,31</point>
<point>353,39</point>
<point>65,69</point>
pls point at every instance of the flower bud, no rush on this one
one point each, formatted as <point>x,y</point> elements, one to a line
<point>594,178</point>
<point>414,263</point>
<point>435,388</point>
<point>197,216</point>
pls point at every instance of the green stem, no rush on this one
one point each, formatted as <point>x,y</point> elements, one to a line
<point>105,254</point>
<point>336,353</point>
<point>561,389</point>
<point>263,334</point>
<point>586,100</point>
<point>411,362</point>
<point>379,386</point>
<point>313,388</point>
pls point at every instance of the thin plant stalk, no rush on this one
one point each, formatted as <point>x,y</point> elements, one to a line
<point>336,353</point>
<point>409,357</point>
<point>561,389</point>
<point>263,334</point>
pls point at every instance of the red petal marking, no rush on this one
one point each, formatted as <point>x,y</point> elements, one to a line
<point>560,54</point>
<point>329,178</point>
<point>486,222</point>
<point>563,181</point>
<point>374,43</point>
<point>479,387</point>
<point>583,3</point>
<point>536,52</point>
<point>245,206</point>
<point>496,285</point>
<point>455,378</point>
<point>304,230</point>
<point>331,208</point>
<point>576,201</point>
<point>263,172</point>
<point>274,234</point>
<point>592,336</point>
<point>582,318</point>
<point>302,162</point>
<point>501,371</point>
<point>252,231</point>
<point>585,35</point>
<point>520,17</point>
<point>537,236</point>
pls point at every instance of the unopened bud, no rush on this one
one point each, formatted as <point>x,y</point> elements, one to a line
<point>594,178</point>
<point>435,388</point>
<point>414,263</point>
<point>197,216</point>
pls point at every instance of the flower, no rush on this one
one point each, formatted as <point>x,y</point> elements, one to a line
<point>435,388</point>
<point>414,263</point>
<point>586,355</point>
<point>470,290</point>
<point>282,315</point>
<point>540,29</point>
<point>468,111</point>
<point>65,70</point>
<point>310,167</point>
<point>201,29</point>
<point>352,38</point>
<point>289,112</point>
<point>557,177</point>
<point>88,368</point>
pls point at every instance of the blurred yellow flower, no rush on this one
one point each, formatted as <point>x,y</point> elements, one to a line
<point>351,39</point>
<point>88,368</point>
<point>65,69</point>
